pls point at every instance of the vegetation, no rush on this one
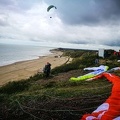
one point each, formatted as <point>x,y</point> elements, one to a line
<point>57,98</point>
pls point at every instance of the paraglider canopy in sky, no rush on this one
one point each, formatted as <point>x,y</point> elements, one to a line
<point>51,6</point>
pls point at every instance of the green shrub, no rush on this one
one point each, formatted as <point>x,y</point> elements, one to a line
<point>73,53</point>
<point>77,63</point>
<point>66,67</point>
<point>113,57</point>
<point>36,77</point>
<point>14,87</point>
<point>50,84</point>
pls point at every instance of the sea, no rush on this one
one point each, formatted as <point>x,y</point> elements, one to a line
<point>10,53</point>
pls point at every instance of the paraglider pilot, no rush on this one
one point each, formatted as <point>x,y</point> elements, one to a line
<point>47,69</point>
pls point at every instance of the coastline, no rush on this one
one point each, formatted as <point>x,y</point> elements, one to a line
<point>25,69</point>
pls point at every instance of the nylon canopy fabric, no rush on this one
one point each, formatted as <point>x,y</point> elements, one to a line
<point>96,71</point>
<point>50,7</point>
<point>110,109</point>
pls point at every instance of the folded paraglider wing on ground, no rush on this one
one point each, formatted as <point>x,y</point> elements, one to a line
<point>96,71</point>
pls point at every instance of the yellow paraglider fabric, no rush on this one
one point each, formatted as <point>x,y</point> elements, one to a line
<point>96,71</point>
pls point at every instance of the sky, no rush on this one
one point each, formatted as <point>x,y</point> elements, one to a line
<point>80,24</point>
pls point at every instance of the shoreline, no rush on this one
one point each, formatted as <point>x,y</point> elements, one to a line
<point>25,69</point>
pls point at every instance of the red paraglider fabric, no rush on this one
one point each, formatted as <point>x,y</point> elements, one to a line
<point>110,109</point>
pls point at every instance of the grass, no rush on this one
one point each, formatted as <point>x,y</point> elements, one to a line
<point>53,99</point>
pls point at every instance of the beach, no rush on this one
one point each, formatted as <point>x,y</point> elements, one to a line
<point>25,69</point>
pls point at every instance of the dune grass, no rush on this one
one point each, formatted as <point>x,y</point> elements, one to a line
<point>54,99</point>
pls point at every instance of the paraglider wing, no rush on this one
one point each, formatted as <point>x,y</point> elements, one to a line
<point>51,6</point>
<point>109,110</point>
<point>91,75</point>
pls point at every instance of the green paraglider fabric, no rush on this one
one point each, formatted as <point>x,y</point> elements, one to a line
<point>96,71</point>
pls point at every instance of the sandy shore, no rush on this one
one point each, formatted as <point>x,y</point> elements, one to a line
<point>25,69</point>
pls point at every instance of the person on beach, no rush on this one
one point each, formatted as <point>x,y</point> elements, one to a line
<point>47,69</point>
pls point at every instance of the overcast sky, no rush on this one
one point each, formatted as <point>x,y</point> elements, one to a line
<point>83,24</point>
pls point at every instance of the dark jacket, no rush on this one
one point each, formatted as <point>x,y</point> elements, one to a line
<point>47,68</point>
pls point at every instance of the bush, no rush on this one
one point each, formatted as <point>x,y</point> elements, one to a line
<point>73,53</point>
<point>77,63</point>
<point>14,87</point>
<point>35,77</point>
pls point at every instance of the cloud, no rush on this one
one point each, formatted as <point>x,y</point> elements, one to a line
<point>74,23</point>
<point>6,2</point>
<point>90,12</point>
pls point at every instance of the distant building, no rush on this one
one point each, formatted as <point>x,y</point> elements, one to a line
<point>104,53</point>
<point>101,53</point>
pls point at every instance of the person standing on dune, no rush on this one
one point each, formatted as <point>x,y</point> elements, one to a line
<point>47,69</point>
